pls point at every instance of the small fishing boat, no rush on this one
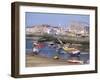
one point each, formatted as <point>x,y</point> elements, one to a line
<point>72,51</point>
<point>68,49</point>
<point>75,61</point>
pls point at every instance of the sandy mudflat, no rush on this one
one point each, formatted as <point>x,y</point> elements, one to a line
<point>38,61</point>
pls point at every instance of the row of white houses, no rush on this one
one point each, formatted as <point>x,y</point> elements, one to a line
<point>72,30</point>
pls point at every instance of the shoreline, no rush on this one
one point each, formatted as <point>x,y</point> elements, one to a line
<point>38,61</point>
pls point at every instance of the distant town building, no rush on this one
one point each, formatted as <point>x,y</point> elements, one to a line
<point>74,29</point>
<point>79,29</point>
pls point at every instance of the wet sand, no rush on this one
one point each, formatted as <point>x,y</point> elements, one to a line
<point>39,61</point>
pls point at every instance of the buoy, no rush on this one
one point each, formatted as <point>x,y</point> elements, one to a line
<point>55,57</point>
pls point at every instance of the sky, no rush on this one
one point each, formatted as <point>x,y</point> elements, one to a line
<point>53,19</point>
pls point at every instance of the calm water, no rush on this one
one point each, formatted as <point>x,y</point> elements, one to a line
<point>50,52</point>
